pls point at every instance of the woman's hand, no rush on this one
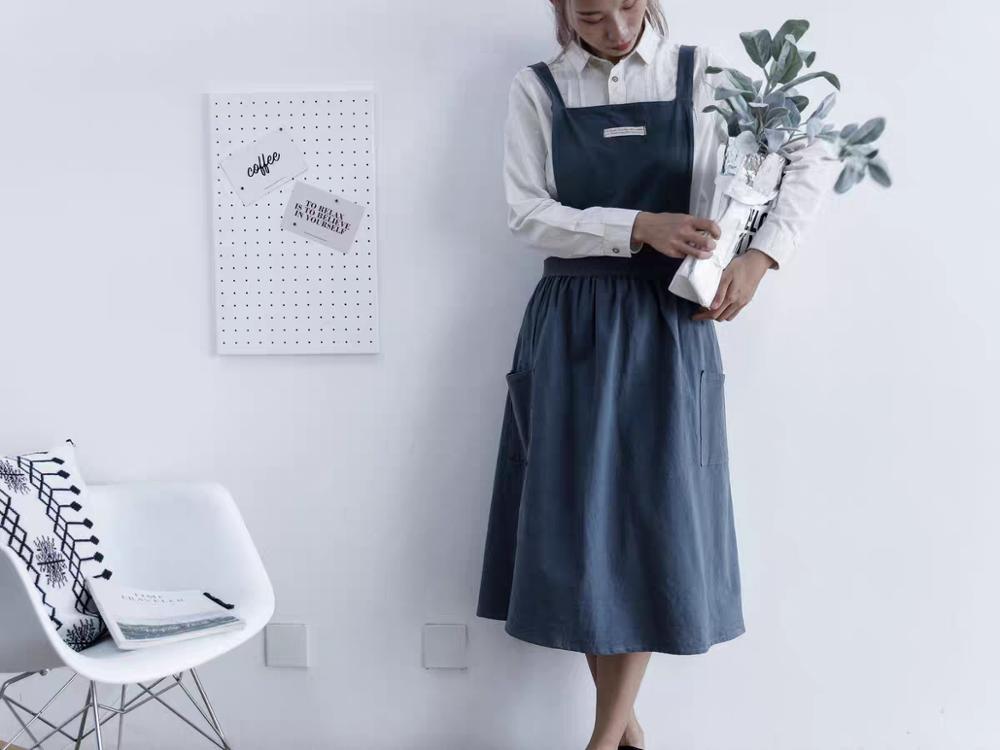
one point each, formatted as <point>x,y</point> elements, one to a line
<point>676,235</point>
<point>737,286</point>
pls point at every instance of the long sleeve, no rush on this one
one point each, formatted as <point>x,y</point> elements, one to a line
<point>806,183</point>
<point>533,214</point>
<point>807,180</point>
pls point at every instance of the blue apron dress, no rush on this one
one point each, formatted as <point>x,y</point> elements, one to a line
<point>611,523</point>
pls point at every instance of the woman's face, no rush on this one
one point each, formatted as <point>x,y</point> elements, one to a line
<point>610,27</point>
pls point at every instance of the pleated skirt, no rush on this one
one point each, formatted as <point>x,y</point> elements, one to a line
<point>611,523</point>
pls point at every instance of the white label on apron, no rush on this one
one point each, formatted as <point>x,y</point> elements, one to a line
<point>629,130</point>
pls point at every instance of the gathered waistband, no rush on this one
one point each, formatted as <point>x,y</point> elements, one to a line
<point>646,264</point>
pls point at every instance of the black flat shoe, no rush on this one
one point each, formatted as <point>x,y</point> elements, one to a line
<point>628,747</point>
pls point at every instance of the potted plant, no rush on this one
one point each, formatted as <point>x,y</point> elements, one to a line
<point>766,124</point>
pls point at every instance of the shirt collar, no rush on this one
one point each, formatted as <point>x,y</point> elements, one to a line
<point>645,48</point>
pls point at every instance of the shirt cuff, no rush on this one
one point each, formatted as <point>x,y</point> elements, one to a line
<point>618,232</point>
<point>775,241</point>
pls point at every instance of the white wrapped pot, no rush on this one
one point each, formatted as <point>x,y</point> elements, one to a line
<point>744,189</point>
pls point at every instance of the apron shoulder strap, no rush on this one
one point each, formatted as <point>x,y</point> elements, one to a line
<point>685,72</point>
<point>545,75</point>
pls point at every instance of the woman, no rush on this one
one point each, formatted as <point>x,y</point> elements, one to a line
<point>611,527</point>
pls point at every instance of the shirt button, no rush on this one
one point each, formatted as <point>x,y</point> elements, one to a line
<point>614,249</point>
<point>614,78</point>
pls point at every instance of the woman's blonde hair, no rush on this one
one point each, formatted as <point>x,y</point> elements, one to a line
<point>565,33</point>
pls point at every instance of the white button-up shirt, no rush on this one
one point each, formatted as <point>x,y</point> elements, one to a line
<point>647,73</point>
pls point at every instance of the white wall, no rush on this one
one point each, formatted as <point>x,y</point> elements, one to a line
<point>862,424</point>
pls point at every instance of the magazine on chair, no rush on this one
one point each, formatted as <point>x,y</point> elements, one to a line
<point>139,618</point>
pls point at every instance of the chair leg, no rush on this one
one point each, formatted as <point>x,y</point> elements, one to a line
<point>92,707</point>
<point>121,719</point>
<point>97,715</point>
<point>211,711</point>
<point>12,703</point>
<point>83,719</point>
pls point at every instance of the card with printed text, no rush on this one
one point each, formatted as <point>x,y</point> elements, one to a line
<point>263,166</point>
<point>322,216</point>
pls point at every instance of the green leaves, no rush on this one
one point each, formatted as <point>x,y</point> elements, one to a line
<point>741,80</point>
<point>732,121</point>
<point>766,115</point>
<point>833,80</point>
<point>879,172</point>
<point>815,124</point>
<point>788,64</point>
<point>825,106</point>
<point>758,45</point>
<point>724,92</point>
<point>860,156</point>
<point>800,102</point>
<point>868,132</point>
<point>849,176</point>
<point>794,26</point>
<point>775,139</point>
<point>775,116</point>
<point>746,142</point>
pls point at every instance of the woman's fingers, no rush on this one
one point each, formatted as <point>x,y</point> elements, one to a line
<point>725,311</point>
<point>699,238</point>
<point>699,234</point>
<point>722,303</point>
<point>723,295</point>
<point>736,288</point>
<point>684,234</point>
<point>706,225</point>
<point>730,311</point>
<point>681,234</point>
<point>682,248</point>
<point>725,284</point>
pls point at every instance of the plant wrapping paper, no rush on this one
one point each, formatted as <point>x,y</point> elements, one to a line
<point>744,189</point>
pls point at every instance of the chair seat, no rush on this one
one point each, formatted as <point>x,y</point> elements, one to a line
<point>160,535</point>
<point>105,662</point>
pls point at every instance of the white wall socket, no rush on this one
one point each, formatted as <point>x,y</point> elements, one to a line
<point>286,644</point>
<point>445,645</point>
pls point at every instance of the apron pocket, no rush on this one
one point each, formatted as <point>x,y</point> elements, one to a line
<point>519,390</point>
<point>712,421</point>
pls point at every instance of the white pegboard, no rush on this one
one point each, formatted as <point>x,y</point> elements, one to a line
<point>276,292</point>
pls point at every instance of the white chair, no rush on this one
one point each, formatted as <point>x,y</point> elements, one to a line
<point>154,535</point>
